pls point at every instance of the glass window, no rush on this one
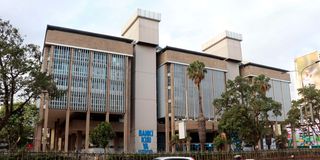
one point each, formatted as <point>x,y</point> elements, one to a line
<point>60,73</point>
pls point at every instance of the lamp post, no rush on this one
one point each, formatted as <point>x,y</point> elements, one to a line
<point>302,85</point>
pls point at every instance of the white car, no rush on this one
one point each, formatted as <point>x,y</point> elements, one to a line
<point>174,158</point>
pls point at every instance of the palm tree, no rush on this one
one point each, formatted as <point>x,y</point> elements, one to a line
<point>262,85</point>
<point>174,141</point>
<point>196,72</point>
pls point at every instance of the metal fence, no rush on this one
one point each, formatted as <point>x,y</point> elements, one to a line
<point>297,154</point>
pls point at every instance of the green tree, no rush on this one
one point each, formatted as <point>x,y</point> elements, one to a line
<point>175,141</point>
<point>178,143</point>
<point>219,142</point>
<point>310,103</point>
<point>310,107</point>
<point>21,79</point>
<point>19,130</point>
<point>196,72</point>
<point>244,108</point>
<point>293,119</point>
<point>101,135</point>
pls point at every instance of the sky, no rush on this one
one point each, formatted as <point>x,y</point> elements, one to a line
<point>274,31</point>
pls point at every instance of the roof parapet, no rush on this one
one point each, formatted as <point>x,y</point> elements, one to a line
<point>142,14</point>
<point>221,36</point>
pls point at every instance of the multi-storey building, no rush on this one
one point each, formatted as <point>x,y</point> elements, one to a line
<point>140,88</point>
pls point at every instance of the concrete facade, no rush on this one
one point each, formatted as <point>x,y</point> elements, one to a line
<point>143,27</point>
<point>140,88</point>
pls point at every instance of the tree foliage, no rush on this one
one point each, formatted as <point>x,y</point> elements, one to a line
<point>102,134</point>
<point>293,120</point>
<point>196,72</point>
<point>293,115</point>
<point>19,129</point>
<point>310,106</point>
<point>21,79</point>
<point>176,142</point>
<point>244,108</point>
<point>219,142</point>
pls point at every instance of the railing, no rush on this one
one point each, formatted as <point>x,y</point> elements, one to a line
<point>297,154</point>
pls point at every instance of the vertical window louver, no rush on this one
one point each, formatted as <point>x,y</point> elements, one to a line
<point>207,96</point>
<point>79,82</point>
<point>60,73</point>
<point>80,79</point>
<point>186,98</point>
<point>179,90</point>
<point>161,91</point>
<point>117,84</point>
<point>280,92</point>
<point>98,82</point>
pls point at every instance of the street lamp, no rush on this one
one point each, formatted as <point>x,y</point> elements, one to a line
<point>302,85</point>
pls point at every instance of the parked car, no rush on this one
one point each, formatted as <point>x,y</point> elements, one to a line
<point>174,158</point>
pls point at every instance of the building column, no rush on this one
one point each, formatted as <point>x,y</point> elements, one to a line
<point>66,133</point>
<point>38,137</point>
<point>167,122</point>
<point>108,88</point>
<point>52,138</point>
<point>45,125</point>
<point>67,125</point>
<point>87,130</point>
<point>173,130</point>
<point>126,124</point>
<point>44,67</point>
<point>89,103</point>
<point>107,116</point>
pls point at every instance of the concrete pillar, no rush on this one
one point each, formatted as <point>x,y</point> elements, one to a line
<point>45,67</point>
<point>45,127</point>
<point>38,137</point>
<point>107,116</point>
<point>173,128</point>
<point>87,130</point>
<point>126,125</point>
<point>52,138</point>
<point>167,121</point>
<point>108,89</point>
<point>89,103</point>
<point>59,144</point>
<point>66,132</point>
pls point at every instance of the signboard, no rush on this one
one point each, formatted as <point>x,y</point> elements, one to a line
<point>182,130</point>
<point>311,74</point>
<point>146,137</point>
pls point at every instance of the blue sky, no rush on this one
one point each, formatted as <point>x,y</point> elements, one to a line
<point>274,31</point>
